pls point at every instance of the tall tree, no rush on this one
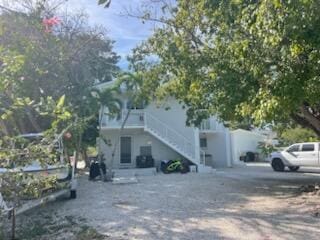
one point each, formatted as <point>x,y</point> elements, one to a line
<point>63,55</point>
<point>237,59</point>
<point>66,60</point>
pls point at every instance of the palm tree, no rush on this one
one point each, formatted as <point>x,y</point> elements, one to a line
<point>131,83</point>
<point>106,99</point>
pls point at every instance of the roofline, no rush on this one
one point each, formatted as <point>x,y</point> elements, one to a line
<point>247,131</point>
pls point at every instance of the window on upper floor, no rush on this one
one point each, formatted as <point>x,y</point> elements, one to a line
<point>203,142</point>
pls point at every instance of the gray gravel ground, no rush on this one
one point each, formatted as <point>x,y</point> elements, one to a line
<point>250,202</point>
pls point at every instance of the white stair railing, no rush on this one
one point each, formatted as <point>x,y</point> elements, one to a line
<point>171,136</point>
<point>161,130</point>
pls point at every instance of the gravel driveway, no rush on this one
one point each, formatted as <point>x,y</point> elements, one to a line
<point>250,202</point>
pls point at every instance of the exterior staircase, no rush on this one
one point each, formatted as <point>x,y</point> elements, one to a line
<point>163,132</point>
<point>176,141</point>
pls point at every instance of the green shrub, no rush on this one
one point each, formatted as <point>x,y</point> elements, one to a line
<point>266,148</point>
<point>296,135</point>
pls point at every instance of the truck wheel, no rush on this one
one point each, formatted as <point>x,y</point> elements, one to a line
<point>294,168</point>
<point>73,194</point>
<point>277,165</point>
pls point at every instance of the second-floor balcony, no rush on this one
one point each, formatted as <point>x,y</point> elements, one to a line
<point>135,119</point>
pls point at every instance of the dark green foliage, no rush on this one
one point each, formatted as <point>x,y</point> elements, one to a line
<point>68,61</point>
<point>296,135</point>
<point>256,60</point>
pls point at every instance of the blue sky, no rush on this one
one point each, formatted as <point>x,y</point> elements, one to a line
<point>126,31</point>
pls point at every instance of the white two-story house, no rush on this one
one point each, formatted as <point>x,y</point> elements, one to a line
<point>161,131</point>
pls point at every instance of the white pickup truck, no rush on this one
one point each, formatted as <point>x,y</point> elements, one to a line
<point>296,155</point>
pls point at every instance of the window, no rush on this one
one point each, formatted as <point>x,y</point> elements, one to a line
<point>294,148</point>
<point>307,147</point>
<point>203,142</point>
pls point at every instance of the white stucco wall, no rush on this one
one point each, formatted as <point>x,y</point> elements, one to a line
<point>244,141</point>
<point>171,113</point>
<point>216,146</point>
<point>160,151</point>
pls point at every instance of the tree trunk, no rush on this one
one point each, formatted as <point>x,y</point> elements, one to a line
<point>86,158</point>
<point>33,121</point>
<point>21,126</point>
<point>306,118</point>
<point>78,151</point>
<point>3,128</point>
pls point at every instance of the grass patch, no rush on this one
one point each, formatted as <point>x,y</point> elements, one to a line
<point>51,227</point>
<point>38,229</point>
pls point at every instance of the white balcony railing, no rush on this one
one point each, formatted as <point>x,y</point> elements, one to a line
<point>135,119</point>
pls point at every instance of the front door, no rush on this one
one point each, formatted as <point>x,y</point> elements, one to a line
<point>125,150</point>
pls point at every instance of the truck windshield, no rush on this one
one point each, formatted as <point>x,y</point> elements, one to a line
<point>293,148</point>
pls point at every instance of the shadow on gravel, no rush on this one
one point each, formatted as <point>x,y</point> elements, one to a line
<point>190,206</point>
